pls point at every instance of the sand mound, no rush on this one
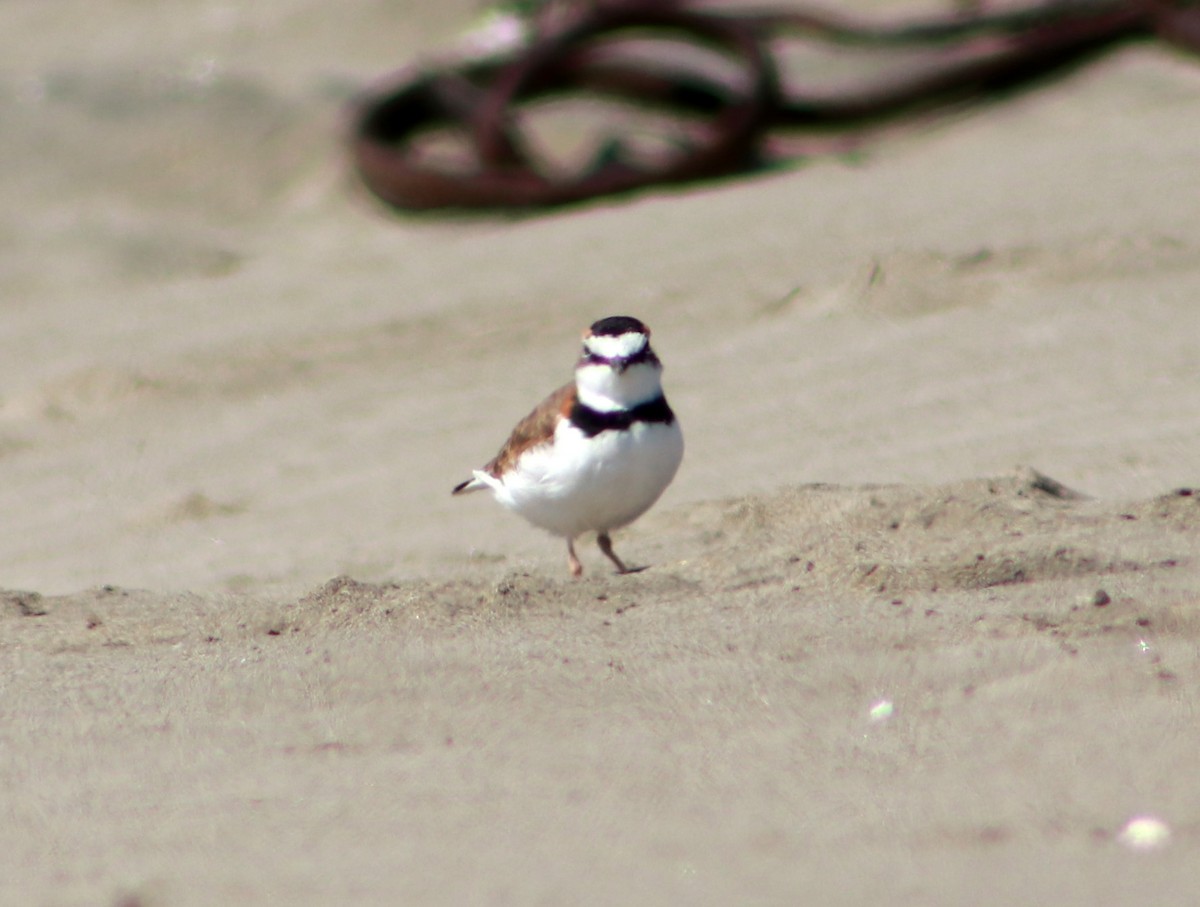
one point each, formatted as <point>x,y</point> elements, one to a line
<point>794,546</point>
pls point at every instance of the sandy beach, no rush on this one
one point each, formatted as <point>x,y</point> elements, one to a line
<point>921,612</point>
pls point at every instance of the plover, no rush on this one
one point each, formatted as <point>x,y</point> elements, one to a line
<point>599,451</point>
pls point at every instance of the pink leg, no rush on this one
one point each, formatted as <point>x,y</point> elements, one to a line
<point>573,564</point>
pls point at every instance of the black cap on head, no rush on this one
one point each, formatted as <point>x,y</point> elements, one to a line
<point>616,325</point>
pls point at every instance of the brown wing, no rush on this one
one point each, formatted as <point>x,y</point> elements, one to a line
<point>536,428</point>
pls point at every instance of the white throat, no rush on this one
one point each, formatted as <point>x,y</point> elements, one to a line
<point>604,389</point>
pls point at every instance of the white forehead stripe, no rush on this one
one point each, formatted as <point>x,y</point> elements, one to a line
<point>620,347</point>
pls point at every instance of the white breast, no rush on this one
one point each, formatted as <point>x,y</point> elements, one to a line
<point>580,484</point>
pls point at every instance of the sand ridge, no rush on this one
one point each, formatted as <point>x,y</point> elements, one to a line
<point>1023,529</point>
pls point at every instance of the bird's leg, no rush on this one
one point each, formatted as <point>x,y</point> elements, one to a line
<point>573,564</point>
<point>605,544</point>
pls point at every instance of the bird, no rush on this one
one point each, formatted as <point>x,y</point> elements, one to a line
<point>596,453</point>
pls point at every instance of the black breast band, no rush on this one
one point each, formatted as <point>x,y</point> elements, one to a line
<point>591,422</point>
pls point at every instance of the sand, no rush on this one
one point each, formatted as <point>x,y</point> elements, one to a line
<point>920,616</point>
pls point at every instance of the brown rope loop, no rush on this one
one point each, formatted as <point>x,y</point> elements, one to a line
<point>479,99</point>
